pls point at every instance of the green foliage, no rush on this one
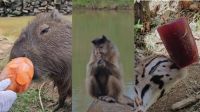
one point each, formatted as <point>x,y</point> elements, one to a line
<point>102,3</point>
<point>25,101</point>
<point>138,26</point>
<point>198,24</point>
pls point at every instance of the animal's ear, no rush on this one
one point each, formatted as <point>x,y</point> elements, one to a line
<point>94,42</point>
<point>104,39</point>
<point>55,15</point>
<point>44,28</point>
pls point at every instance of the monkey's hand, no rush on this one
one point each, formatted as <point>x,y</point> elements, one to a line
<point>108,99</point>
<point>101,63</point>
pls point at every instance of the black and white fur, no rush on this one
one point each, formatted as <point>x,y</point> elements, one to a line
<point>154,76</point>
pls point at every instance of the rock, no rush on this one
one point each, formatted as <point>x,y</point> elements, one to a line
<point>12,1</point>
<point>101,106</point>
<point>8,10</point>
<point>42,8</point>
<point>16,12</point>
<point>36,11</point>
<point>25,11</point>
<point>69,9</point>
<point>32,7</point>
<point>1,12</point>
<point>33,3</point>
<point>37,2</point>
<point>50,7</point>
<point>44,3</point>
<point>5,1</point>
<point>18,8</point>
<point>70,3</point>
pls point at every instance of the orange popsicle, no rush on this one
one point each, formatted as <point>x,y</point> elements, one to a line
<point>20,71</point>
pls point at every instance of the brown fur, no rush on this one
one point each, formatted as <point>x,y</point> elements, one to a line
<point>103,70</point>
<point>47,42</point>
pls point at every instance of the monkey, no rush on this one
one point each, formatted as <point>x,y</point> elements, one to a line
<point>104,74</point>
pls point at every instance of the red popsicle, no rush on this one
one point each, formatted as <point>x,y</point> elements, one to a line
<point>179,42</point>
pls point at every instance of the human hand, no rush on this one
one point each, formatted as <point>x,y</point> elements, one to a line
<point>7,97</point>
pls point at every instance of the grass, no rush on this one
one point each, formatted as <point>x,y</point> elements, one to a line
<point>29,101</point>
<point>102,3</point>
<point>25,101</point>
<point>10,27</point>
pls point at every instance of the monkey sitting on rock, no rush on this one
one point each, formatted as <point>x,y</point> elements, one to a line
<point>104,77</point>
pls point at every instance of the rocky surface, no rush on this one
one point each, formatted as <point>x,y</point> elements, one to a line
<point>101,106</point>
<point>32,7</point>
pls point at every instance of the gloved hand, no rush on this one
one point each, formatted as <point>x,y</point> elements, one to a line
<point>7,97</point>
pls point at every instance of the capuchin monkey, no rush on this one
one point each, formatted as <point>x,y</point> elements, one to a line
<point>104,77</point>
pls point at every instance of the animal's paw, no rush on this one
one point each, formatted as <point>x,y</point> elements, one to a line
<point>101,63</point>
<point>107,99</point>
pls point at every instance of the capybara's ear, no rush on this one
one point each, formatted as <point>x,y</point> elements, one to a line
<point>55,15</point>
<point>44,28</point>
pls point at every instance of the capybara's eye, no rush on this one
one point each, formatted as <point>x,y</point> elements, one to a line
<point>44,29</point>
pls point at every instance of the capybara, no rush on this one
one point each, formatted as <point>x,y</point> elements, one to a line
<point>46,41</point>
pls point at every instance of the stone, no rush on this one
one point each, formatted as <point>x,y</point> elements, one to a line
<point>69,9</point>
<point>12,1</point>
<point>1,12</point>
<point>52,3</point>
<point>18,8</point>
<point>102,106</point>
<point>25,11</point>
<point>44,3</point>
<point>36,11</point>
<point>70,3</point>
<point>37,2</point>
<point>42,8</point>
<point>16,12</point>
<point>33,3</point>
<point>8,10</point>
<point>50,7</point>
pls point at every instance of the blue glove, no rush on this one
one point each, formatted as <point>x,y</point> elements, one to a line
<point>7,97</point>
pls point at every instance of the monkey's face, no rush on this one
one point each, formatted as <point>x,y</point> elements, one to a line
<point>101,50</point>
<point>101,47</point>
